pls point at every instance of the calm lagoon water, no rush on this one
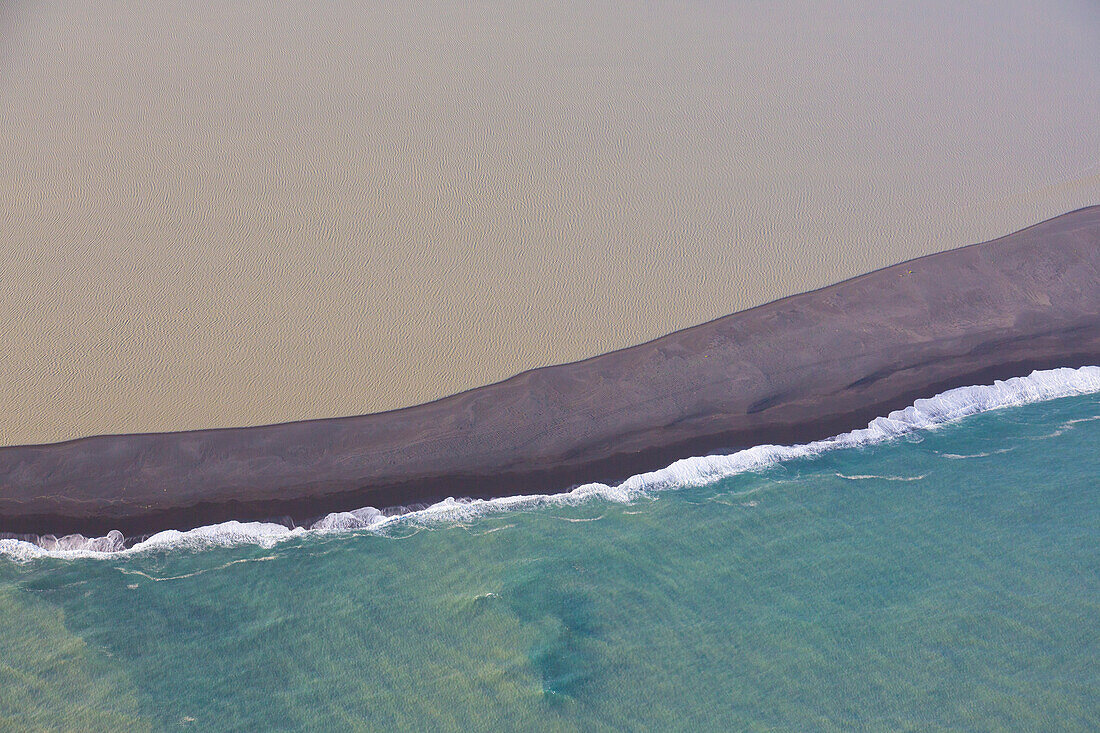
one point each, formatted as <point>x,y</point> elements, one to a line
<point>949,579</point>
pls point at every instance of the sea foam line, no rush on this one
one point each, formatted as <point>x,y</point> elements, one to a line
<point>924,414</point>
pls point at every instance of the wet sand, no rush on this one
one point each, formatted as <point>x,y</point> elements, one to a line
<point>801,368</point>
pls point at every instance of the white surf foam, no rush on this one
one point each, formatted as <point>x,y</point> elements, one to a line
<point>864,477</point>
<point>697,471</point>
<point>983,454</point>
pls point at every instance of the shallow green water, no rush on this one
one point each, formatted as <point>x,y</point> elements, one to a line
<point>965,598</point>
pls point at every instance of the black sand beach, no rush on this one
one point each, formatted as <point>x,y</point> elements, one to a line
<point>798,369</point>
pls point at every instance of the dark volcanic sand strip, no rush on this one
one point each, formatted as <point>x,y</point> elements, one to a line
<point>799,369</point>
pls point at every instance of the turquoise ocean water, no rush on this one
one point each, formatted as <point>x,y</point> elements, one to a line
<point>946,579</point>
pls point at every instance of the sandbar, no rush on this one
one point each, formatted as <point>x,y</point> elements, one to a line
<point>797,369</point>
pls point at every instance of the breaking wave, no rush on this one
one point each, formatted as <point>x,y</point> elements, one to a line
<point>924,414</point>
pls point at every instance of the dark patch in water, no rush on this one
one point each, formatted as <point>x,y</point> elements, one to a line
<point>564,663</point>
<point>553,598</point>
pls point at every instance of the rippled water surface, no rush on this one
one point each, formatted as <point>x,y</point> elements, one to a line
<point>946,579</point>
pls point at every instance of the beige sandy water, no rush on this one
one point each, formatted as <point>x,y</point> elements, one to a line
<point>230,213</point>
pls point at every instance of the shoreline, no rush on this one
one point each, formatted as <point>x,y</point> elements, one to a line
<point>924,414</point>
<point>799,369</point>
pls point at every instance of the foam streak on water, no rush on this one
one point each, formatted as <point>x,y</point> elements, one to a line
<point>924,414</point>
